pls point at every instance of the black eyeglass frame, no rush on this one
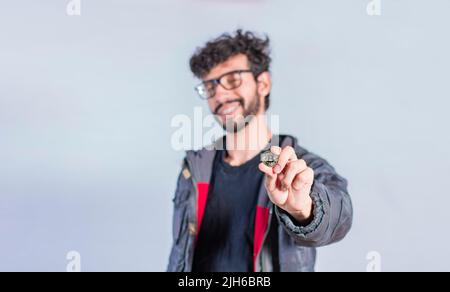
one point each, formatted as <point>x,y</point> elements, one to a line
<point>216,82</point>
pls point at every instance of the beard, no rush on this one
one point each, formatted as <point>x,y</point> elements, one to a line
<point>235,125</point>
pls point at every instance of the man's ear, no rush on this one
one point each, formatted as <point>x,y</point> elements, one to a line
<point>264,81</point>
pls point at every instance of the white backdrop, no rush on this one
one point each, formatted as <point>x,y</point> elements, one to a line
<point>86,103</point>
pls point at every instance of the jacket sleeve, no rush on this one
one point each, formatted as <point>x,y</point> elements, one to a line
<point>179,221</point>
<point>332,211</point>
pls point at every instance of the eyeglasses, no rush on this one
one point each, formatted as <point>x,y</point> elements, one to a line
<point>229,81</point>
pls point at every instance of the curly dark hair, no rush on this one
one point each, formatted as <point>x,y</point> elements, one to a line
<point>226,46</point>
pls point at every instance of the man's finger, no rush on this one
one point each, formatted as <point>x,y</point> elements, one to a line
<point>271,178</point>
<point>286,155</point>
<point>304,178</point>
<point>279,198</point>
<point>266,169</point>
<point>275,150</point>
<point>291,170</point>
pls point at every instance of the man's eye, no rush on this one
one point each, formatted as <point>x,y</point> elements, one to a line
<point>232,79</point>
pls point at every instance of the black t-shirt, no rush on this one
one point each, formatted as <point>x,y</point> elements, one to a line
<point>225,241</point>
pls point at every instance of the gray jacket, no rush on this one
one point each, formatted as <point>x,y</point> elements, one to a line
<point>279,243</point>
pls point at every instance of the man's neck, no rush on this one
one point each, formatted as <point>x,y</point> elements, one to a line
<point>247,143</point>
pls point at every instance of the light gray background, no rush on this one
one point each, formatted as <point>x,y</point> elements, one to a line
<point>86,104</point>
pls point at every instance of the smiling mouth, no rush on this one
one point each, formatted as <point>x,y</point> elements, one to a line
<point>229,109</point>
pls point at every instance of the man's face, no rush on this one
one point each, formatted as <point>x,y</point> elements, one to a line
<point>234,108</point>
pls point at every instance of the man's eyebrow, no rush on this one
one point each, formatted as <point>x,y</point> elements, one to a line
<point>217,78</point>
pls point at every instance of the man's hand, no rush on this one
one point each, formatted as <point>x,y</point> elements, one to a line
<point>289,184</point>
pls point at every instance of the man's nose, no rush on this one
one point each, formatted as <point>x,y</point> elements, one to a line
<point>222,94</point>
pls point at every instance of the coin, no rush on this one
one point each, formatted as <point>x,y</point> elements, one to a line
<point>269,159</point>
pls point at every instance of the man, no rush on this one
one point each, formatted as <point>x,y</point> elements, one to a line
<point>233,213</point>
